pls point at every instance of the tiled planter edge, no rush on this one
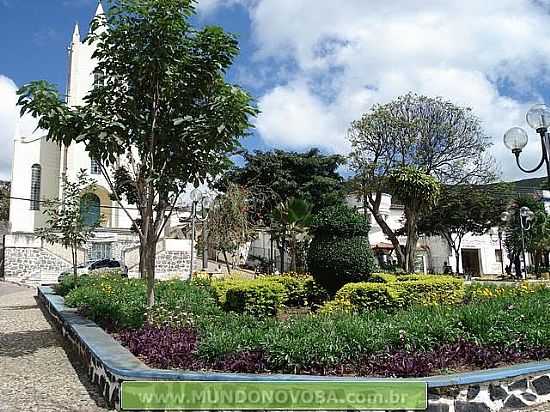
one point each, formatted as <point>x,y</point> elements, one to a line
<point>109,364</point>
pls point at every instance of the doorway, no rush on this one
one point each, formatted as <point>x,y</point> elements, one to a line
<point>470,261</point>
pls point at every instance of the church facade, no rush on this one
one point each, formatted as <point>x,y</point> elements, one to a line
<point>38,169</point>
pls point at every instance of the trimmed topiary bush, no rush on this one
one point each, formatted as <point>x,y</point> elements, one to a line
<point>429,290</point>
<point>362,297</point>
<point>259,297</point>
<point>340,252</point>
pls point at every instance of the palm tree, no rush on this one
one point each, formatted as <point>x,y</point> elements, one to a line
<point>290,222</point>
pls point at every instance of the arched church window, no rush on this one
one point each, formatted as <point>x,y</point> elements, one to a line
<point>36,172</point>
<point>90,209</point>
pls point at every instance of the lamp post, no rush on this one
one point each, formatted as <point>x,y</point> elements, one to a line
<point>499,237</point>
<point>526,216</point>
<point>515,139</point>
<point>205,200</point>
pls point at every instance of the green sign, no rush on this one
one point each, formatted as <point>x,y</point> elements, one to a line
<point>310,395</point>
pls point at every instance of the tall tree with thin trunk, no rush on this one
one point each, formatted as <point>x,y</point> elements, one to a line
<point>68,222</point>
<point>463,209</point>
<point>163,113</point>
<point>229,225</point>
<point>435,136</point>
<point>419,192</point>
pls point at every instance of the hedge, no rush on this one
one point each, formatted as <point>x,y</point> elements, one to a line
<point>257,297</point>
<point>408,290</point>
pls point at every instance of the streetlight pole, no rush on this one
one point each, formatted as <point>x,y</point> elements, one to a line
<point>526,216</point>
<point>205,200</point>
<point>515,139</point>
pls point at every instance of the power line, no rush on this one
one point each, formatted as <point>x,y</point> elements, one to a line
<point>100,206</point>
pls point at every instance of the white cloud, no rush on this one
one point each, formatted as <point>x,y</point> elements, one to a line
<point>348,55</point>
<point>8,118</point>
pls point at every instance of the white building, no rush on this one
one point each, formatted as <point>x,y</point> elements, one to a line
<point>479,255</point>
<point>37,172</point>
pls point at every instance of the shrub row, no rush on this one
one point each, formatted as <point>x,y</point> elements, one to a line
<point>263,296</point>
<point>397,292</point>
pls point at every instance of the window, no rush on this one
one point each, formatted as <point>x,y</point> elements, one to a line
<point>90,209</point>
<point>36,172</point>
<point>101,251</point>
<point>94,167</point>
<point>498,255</point>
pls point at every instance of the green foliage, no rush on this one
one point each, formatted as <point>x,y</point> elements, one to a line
<point>66,222</point>
<point>537,238</point>
<point>391,292</point>
<point>383,278</point>
<point>323,341</point>
<point>300,291</point>
<point>364,296</point>
<point>229,223</point>
<point>415,188</point>
<point>463,209</point>
<point>340,251</point>
<point>259,298</point>
<point>277,175</point>
<point>118,303</point>
<point>289,228</point>
<point>429,290</point>
<point>420,135</point>
<point>110,301</point>
<point>164,108</point>
<point>70,281</point>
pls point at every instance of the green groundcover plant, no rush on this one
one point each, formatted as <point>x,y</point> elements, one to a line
<point>490,327</point>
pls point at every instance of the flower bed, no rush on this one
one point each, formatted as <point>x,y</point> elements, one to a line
<point>188,329</point>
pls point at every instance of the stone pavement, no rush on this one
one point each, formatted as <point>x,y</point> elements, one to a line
<point>36,373</point>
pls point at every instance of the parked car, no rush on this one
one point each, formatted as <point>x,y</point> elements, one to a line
<point>96,266</point>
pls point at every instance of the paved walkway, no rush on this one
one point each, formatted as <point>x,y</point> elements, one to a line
<point>36,373</point>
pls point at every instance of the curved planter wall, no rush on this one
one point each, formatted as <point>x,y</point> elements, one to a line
<point>109,364</point>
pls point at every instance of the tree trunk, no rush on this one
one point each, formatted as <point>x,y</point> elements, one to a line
<point>149,255</point>
<point>391,236</point>
<point>282,252</point>
<point>412,240</point>
<point>74,255</point>
<point>226,262</point>
<point>457,256</point>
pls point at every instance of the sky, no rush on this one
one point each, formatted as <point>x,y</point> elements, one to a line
<point>314,66</point>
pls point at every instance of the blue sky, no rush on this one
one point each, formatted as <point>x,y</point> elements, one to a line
<point>315,65</point>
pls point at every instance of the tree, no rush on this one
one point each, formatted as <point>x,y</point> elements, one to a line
<point>537,238</point>
<point>290,222</point>
<point>419,192</point>
<point>67,222</point>
<point>4,201</point>
<point>229,225</point>
<point>274,176</point>
<point>163,114</point>
<point>437,137</point>
<point>463,209</point>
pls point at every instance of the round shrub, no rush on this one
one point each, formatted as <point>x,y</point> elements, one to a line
<point>340,251</point>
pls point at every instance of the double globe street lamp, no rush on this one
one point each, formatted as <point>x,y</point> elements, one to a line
<point>526,217</point>
<point>205,200</point>
<point>515,139</point>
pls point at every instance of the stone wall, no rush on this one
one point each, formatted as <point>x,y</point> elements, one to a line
<point>510,394</point>
<point>25,261</point>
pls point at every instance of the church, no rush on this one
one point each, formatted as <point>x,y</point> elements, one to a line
<point>38,170</point>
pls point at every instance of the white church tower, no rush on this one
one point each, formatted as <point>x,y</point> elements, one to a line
<point>38,169</point>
